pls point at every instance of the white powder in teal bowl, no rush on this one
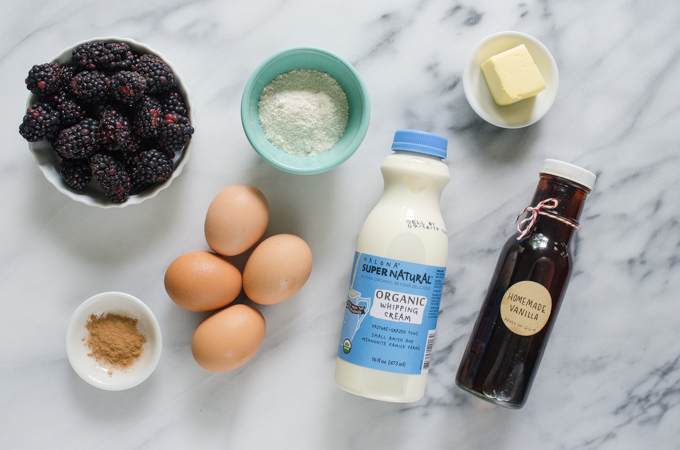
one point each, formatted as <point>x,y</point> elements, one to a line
<point>303,112</point>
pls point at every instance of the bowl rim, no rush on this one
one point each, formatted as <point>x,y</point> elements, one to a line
<point>133,199</point>
<point>472,96</point>
<point>76,322</point>
<point>331,164</point>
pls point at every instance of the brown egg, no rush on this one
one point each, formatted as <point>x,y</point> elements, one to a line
<point>202,281</point>
<point>228,339</point>
<point>277,269</point>
<point>237,218</point>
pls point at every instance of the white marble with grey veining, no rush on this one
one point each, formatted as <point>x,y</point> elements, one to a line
<point>610,378</point>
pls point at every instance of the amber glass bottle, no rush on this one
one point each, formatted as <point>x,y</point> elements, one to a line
<point>526,291</point>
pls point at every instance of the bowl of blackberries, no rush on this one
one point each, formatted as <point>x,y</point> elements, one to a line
<point>109,121</point>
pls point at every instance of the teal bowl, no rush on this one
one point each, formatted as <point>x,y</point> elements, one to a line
<point>311,59</point>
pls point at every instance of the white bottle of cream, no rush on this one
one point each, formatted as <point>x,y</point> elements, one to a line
<point>396,282</point>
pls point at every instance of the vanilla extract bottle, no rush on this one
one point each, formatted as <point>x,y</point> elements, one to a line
<point>526,290</point>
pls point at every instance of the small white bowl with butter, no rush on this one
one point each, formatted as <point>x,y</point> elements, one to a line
<point>477,91</point>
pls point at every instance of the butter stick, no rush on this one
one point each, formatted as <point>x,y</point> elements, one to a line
<point>512,76</point>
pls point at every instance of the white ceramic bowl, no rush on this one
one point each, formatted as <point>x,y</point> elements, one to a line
<point>524,112</point>
<point>48,160</point>
<point>88,368</point>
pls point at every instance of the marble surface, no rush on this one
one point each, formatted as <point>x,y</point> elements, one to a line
<point>610,378</point>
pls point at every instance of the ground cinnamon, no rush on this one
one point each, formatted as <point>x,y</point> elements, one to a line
<point>114,340</point>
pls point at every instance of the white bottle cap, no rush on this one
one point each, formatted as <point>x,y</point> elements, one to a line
<point>570,172</point>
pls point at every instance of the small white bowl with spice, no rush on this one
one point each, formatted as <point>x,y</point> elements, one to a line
<point>113,341</point>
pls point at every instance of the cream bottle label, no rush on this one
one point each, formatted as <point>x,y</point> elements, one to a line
<point>391,314</point>
<point>526,307</point>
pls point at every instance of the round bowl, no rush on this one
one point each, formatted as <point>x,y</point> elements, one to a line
<point>524,112</point>
<point>88,368</point>
<point>48,160</point>
<point>311,59</point>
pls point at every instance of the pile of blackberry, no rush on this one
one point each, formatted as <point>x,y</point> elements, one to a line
<point>111,114</point>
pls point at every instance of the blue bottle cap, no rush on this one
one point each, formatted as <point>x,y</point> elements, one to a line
<point>420,142</point>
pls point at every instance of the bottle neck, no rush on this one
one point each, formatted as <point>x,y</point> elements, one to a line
<point>570,198</point>
<point>414,177</point>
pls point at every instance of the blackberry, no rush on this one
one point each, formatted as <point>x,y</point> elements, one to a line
<point>158,75</point>
<point>78,141</point>
<point>40,122</point>
<point>115,56</point>
<point>174,133</point>
<point>90,87</point>
<point>135,145</point>
<point>147,117</point>
<point>111,175</point>
<point>134,60</point>
<point>131,157</point>
<point>173,103</point>
<point>114,130</point>
<point>127,87</point>
<point>170,154</point>
<point>84,57</point>
<point>70,112</point>
<point>76,173</point>
<point>138,187</point>
<point>150,166</point>
<point>65,76</point>
<point>44,79</point>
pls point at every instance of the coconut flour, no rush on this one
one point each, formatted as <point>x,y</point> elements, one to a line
<point>303,112</point>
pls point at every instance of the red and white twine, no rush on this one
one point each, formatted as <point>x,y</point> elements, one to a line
<point>527,224</point>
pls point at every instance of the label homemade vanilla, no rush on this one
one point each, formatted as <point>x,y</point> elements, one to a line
<point>526,307</point>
